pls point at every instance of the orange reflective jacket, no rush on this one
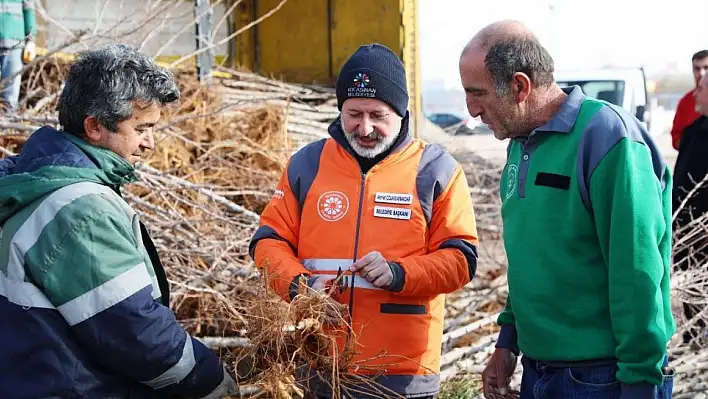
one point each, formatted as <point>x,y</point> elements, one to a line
<point>414,207</point>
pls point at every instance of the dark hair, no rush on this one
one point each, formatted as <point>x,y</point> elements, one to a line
<point>699,55</point>
<point>519,54</point>
<point>105,82</point>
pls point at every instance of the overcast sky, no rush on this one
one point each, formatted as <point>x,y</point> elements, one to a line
<point>579,33</point>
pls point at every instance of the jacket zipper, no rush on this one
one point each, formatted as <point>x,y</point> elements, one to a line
<point>356,254</point>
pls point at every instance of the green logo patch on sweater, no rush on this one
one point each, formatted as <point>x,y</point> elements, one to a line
<point>512,173</point>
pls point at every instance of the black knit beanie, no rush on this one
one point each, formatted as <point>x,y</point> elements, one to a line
<point>374,71</point>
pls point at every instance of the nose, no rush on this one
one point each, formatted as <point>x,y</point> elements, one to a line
<point>148,141</point>
<point>366,127</point>
<point>474,109</point>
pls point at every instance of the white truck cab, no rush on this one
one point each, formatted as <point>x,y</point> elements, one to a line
<point>624,87</point>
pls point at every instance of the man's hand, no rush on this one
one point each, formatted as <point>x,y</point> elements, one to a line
<point>319,284</point>
<point>333,310</point>
<point>29,52</point>
<point>227,388</point>
<point>375,269</point>
<point>497,375</point>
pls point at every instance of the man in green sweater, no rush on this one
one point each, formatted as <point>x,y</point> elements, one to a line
<point>18,28</point>
<point>586,207</point>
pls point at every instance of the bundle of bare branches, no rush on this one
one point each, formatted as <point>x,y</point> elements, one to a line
<point>301,334</point>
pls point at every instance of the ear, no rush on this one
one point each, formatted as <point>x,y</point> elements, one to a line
<point>520,87</point>
<point>93,131</point>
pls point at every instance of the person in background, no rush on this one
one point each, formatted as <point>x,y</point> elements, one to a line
<point>18,30</point>
<point>690,171</point>
<point>586,212</point>
<point>392,213</point>
<point>84,300</point>
<point>686,110</point>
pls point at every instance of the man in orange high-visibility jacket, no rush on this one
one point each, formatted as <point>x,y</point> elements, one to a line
<point>393,211</point>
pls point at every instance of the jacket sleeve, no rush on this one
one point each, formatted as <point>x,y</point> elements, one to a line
<point>6,165</point>
<point>508,337</point>
<point>681,120</point>
<point>632,214</point>
<point>452,259</point>
<point>676,128</point>
<point>273,246</point>
<point>96,277</point>
<point>28,12</point>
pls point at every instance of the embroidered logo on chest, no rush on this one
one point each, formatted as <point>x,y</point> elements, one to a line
<point>332,205</point>
<point>512,173</point>
<point>390,212</point>
<point>393,198</point>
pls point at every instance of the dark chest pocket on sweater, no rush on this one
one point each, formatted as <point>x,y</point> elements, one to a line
<point>552,180</point>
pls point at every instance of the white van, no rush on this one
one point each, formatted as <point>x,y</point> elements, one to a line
<point>625,87</point>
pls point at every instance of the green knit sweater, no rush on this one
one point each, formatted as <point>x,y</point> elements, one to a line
<point>587,230</point>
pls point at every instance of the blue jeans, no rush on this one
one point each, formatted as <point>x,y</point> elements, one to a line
<point>10,63</point>
<point>578,380</point>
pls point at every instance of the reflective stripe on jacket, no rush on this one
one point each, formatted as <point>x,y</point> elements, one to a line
<point>414,207</point>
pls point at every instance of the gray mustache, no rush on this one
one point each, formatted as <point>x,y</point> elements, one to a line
<point>375,135</point>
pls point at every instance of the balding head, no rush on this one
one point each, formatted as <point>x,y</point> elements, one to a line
<point>508,47</point>
<point>498,31</point>
<point>504,70</point>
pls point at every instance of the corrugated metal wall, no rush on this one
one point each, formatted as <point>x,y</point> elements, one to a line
<point>308,41</point>
<point>173,30</point>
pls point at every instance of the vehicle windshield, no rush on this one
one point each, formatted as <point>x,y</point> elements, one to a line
<point>611,91</point>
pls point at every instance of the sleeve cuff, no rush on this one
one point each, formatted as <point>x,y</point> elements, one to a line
<point>638,391</point>
<point>508,338</point>
<point>294,286</point>
<point>399,277</point>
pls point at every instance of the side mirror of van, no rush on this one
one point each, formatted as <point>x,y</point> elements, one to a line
<point>641,109</point>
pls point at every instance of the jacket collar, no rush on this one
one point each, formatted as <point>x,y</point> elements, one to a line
<point>564,120</point>
<point>50,147</point>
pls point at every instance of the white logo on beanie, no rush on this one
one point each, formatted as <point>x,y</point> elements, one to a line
<point>361,87</point>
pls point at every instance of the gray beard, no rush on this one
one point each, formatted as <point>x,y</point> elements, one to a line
<point>383,144</point>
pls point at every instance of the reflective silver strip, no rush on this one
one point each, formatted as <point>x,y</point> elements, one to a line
<point>316,266</point>
<point>28,234</point>
<point>23,293</point>
<point>179,371</point>
<point>360,282</point>
<point>12,8</point>
<point>12,285</point>
<point>105,295</point>
<point>327,264</point>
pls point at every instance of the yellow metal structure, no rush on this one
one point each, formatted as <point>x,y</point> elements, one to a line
<point>308,41</point>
